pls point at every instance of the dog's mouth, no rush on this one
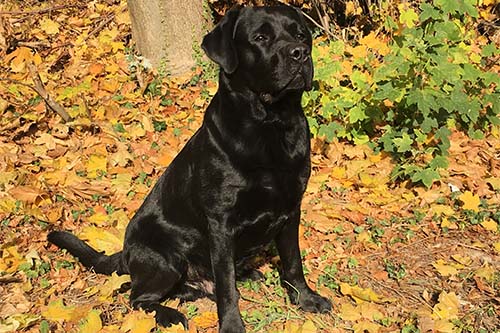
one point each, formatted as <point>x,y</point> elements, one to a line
<point>298,82</point>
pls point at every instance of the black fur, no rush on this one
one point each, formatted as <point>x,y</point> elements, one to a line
<point>235,187</point>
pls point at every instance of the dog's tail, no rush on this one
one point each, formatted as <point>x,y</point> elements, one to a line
<point>88,256</point>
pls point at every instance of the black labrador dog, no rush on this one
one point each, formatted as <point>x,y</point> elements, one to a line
<point>235,187</point>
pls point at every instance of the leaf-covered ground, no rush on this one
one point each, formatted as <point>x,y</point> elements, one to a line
<point>392,257</point>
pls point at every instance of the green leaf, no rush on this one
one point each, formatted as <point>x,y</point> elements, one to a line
<point>439,162</point>
<point>447,6</point>
<point>426,176</point>
<point>428,11</point>
<point>408,17</point>
<point>356,114</point>
<point>329,131</point>
<point>403,143</point>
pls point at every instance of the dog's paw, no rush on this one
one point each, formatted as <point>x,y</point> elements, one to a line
<point>167,317</point>
<point>312,302</point>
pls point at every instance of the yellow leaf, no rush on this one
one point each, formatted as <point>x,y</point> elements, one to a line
<point>102,240</point>
<point>360,295</point>
<point>366,327</point>
<point>445,210</point>
<point>92,323</point>
<point>372,42</point>
<point>486,272</point>
<point>95,163</point>
<point>122,183</point>
<point>470,201</point>
<point>496,245</point>
<point>370,311</point>
<point>10,260</point>
<point>443,326</point>
<point>447,306</point>
<point>494,182</point>
<point>358,52</point>
<point>350,312</point>
<point>445,269</point>
<point>7,205</point>
<point>57,311</point>
<point>136,130</point>
<point>138,322</point>
<point>445,223</point>
<point>99,218</point>
<point>490,225</point>
<point>19,59</point>
<point>363,237</point>
<point>206,320</point>
<point>50,27</point>
<point>464,260</point>
<point>113,283</point>
<point>174,329</point>
<point>338,173</point>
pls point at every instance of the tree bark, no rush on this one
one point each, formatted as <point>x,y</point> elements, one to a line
<point>165,31</point>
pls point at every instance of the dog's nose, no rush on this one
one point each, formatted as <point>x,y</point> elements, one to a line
<point>299,53</point>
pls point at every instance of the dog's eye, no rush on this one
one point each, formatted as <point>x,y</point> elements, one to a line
<point>300,36</point>
<point>260,38</point>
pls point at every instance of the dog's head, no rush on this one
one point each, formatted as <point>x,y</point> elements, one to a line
<point>265,49</point>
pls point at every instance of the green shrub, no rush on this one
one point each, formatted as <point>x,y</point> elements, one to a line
<point>405,96</point>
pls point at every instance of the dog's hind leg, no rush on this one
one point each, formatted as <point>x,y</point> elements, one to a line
<point>154,277</point>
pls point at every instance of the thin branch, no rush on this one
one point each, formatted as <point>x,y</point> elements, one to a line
<point>101,26</point>
<point>320,26</point>
<point>40,89</point>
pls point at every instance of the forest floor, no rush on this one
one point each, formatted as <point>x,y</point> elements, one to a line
<point>392,257</point>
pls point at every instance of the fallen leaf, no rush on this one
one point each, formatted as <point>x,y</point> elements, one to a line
<point>350,312</point>
<point>206,320</point>
<point>445,269</point>
<point>59,312</point>
<point>360,294</point>
<point>470,201</point>
<point>114,282</point>
<point>447,306</point>
<point>96,163</point>
<point>49,26</point>
<point>102,240</point>
<point>138,322</point>
<point>92,323</point>
<point>366,327</point>
<point>490,225</point>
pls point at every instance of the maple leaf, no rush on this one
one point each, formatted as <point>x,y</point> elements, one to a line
<point>50,27</point>
<point>446,269</point>
<point>408,17</point>
<point>366,327</point>
<point>102,240</point>
<point>92,323</point>
<point>362,294</point>
<point>206,320</point>
<point>57,311</point>
<point>470,201</point>
<point>490,225</point>
<point>138,322</point>
<point>96,163</point>
<point>447,306</point>
<point>114,282</point>
<point>350,312</point>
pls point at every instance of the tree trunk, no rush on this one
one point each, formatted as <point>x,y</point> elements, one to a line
<point>165,31</point>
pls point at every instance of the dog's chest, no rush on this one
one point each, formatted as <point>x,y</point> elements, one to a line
<point>263,206</point>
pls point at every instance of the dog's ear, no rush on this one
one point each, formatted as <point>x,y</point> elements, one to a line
<point>218,44</point>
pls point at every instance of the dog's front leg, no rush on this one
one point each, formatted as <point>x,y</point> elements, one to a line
<point>292,275</point>
<point>223,267</point>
